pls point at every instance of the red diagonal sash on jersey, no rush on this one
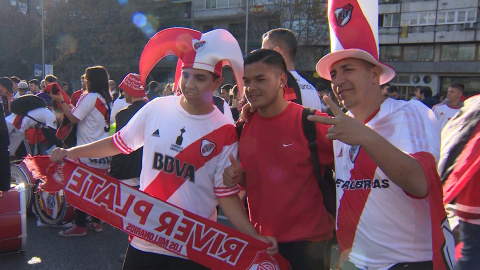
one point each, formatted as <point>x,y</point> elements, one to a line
<point>199,239</point>
<point>165,184</point>
<point>345,18</point>
<point>351,207</point>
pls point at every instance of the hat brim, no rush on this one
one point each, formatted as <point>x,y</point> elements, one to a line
<point>325,63</point>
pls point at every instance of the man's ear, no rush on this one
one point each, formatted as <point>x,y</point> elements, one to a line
<point>277,49</point>
<point>283,79</point>
<point>376,71</point>
<point>218,82</point>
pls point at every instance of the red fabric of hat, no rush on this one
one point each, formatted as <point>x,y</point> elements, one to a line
<point>132,85</point>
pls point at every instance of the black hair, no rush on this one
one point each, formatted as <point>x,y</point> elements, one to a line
<point>426,91</point>
<point>269,57</point>
<point>98,78</point>
<point>283,38</point>
<point>35,81</point>
<point>392,89</point>
<point>227,87</point>
<point>152,85</point>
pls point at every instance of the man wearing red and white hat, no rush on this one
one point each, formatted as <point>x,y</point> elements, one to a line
<point>187,140</point>
<point>127,168</point>
<point>388,190</point>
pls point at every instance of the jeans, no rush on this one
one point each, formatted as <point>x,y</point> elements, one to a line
<point>470,235</point>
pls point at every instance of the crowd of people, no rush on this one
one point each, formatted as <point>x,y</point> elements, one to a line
<point>385,152</point>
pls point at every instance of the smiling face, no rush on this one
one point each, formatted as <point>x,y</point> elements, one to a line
<point>355,82</point>
<point>263,85</point>
<point>197,88</point>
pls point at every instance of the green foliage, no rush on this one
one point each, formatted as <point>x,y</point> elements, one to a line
<point>79,34</point>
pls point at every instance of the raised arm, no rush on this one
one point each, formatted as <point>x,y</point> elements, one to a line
<point>404,170</point>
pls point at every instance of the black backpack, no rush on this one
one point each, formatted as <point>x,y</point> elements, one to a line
<point>22,105</point>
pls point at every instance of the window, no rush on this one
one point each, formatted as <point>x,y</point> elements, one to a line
<point>389,20</point>
<point>209,4</point>
<point>466,52</point>
<point>410,53</point>
<point>457,16</point>
<point>207,27</point>
<point>390,53</point>
<point>422,18</point>
<point>458,52</point>
<point>425,53</point>
<point>237,30</point>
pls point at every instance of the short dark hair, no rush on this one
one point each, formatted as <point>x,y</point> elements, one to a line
<point>459,86</point>
<point>383,86</point>
<point>426,91</point>
<point>227,87</point>
<point>35,81</point>
<point>392,89</point>
<point>269,57</point>
<point>283,38</point>
<point>50,79</point>
<point>152,85</point>
<point>15,79</point>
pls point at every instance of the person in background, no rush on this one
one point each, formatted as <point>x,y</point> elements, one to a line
<point>393,92</point>
<point>168,91</point>
<point>112,88</point>
<point>284,42</point>
<point>34,86</point>
<point>152,90</point>
<point>446,111</point>
<point>427,98</point>
<point>22,89</point>
<point>127,168</point>
<point>92,116</point>
<point>6,93</point>
<point>77,94</point>
<point>4,156</point>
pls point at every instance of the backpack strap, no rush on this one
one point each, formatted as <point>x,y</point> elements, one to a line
<point>292,90</point>
<point>218,101</point>
<point>327,188</point>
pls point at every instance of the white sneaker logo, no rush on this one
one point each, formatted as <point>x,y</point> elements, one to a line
<point>287,145</point>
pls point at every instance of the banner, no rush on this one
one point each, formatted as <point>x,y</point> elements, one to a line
<point>139,214</point>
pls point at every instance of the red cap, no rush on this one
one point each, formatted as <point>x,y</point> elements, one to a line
<point>132,85</point>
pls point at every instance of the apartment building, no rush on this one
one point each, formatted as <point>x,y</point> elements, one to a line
<point>431,43</point>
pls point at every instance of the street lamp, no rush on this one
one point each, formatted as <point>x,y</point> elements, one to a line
<point>43,44</point>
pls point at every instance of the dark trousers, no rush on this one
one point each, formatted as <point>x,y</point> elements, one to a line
<point>305,255</point>
<point>140,260</point>
<point>470,236</point>
<point>81,218</point>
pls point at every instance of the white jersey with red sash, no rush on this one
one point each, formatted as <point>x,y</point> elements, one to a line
<point>91,110</point>
<point>444,113</point>
<point>378,223</point>
<point>184,157</point>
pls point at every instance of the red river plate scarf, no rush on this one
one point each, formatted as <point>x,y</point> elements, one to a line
<point>136,213</point>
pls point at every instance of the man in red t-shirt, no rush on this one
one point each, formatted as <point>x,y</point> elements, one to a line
<point>278,173</point>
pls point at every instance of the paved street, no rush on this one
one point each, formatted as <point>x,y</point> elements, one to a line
<point>47,250</point>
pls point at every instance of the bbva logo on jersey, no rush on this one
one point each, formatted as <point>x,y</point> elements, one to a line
<point>207,148</point>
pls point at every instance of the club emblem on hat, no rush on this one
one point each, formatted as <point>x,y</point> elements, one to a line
<point>353,153</point>
<point>198,45</point>
<point>207,148</point>
<point>343,14</point>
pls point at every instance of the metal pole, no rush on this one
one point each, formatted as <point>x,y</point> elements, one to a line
<point>246,28</point>
<point>43,46</point>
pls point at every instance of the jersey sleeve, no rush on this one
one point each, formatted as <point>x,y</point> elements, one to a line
<point>325,146</point>
<point>230,147</point>
<point>131,136</point>
<point>84,106</point>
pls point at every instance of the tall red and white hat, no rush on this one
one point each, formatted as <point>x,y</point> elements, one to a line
<point>208,51</point>
<point>353,34</point>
